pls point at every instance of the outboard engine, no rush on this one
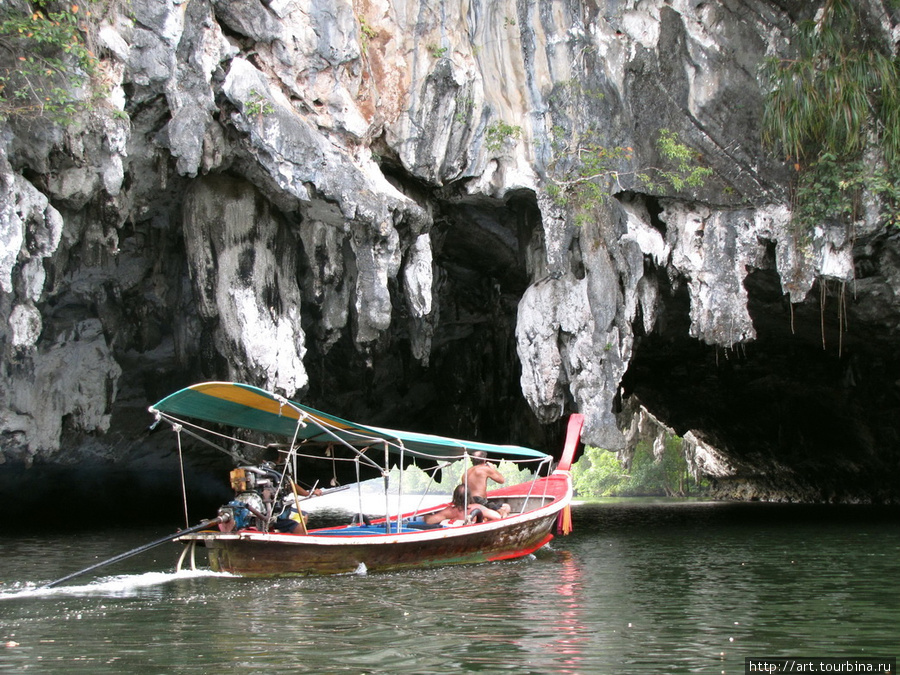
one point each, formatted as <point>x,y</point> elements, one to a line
<point>254,501</point>
<point>236,516</point>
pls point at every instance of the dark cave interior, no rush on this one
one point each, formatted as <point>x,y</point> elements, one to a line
<point>806,411</point>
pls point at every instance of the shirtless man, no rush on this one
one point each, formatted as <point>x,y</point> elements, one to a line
<point>476,479</point>
<point>461,509</point>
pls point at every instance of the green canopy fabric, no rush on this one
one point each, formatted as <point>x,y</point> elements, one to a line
<point>247,407</point>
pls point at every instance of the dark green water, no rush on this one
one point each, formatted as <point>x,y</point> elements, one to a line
<point>637,588</point>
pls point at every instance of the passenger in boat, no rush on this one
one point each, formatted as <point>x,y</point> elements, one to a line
<point>289,521</point>
<point>462,509</point>
<point>476,479</point>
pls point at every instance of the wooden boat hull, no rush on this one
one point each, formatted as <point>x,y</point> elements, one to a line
<point>258,554</point>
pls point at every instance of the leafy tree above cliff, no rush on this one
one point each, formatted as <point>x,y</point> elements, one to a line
<point>44,59</point>
<point>832,108</point>
<point>592,171</point>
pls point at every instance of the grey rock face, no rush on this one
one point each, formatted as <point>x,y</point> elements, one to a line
<point>352,204</point>
<point>243,267</point>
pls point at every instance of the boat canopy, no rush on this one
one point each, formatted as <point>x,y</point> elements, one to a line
<point>247,407</point>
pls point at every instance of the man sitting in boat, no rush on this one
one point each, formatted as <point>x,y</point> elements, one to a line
<point>289,520</point>
<point>461,511</point>
<point>476,479</point>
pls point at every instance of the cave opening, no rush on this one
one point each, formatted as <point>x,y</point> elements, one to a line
<point>469,387</point>
<point>801,411</point>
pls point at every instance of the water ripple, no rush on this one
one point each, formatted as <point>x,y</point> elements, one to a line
<point>680,588</point>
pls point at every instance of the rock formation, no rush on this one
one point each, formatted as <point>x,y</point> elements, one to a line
<point>353,204</point>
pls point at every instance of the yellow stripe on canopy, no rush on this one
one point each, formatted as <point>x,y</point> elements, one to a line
<point>248,407</point>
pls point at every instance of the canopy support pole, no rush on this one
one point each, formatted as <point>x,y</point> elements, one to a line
<point>358,489</point>
<point>387,496</point>
<point>177,428</point>
<point>400,488</point>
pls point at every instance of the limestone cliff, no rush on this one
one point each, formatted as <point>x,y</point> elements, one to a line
<point>352,203</point>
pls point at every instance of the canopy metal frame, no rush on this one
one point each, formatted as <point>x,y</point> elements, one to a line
<point>358,439</point>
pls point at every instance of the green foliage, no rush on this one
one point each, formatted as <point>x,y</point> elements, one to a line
<point>687,173</point>
<point>44,59</point>
<point>499,133</point>
<point>838,97</point>
<point>464,106</point>
<point>600,474</point>
<point>594,170</point>
<point>258,105</point>
<point>366,34</point>
<point>438,52</point>
<point>417,481</point>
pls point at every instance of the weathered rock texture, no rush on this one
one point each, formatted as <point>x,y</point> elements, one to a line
<point>317,197</point>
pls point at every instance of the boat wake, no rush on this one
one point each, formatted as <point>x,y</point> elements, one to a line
<point>122,585</point>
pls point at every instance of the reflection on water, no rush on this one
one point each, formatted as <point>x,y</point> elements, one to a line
<point>567,622</point>
<point>637,588</point>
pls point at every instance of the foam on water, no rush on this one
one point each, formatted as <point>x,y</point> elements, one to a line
<point>121,585</point>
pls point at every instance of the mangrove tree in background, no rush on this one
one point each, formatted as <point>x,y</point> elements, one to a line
<point>600,473</point>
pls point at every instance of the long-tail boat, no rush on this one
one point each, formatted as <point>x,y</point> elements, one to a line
<point>244,537</point>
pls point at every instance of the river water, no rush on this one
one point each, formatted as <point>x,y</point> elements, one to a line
<point>638,587</point>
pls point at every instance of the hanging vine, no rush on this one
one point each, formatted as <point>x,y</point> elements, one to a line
<point>830,109</point>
